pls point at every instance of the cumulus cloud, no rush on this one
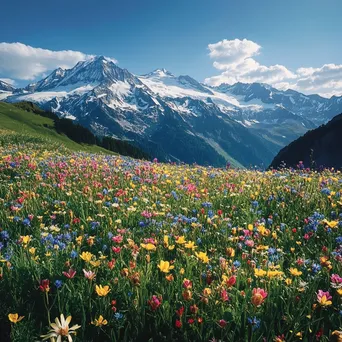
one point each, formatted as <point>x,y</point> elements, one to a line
<point>236,61</point>
<point>24,62</point>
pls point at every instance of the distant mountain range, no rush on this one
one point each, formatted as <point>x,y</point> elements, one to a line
<point>320,147</point>
<point>177,118</point>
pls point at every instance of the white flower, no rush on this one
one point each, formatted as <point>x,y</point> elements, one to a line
<point>61,328</point>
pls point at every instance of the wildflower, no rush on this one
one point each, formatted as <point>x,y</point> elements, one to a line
<point>259,272</point>
<point>70,274</point>
<point>148,246</point>
<point>288,281</point>
<point>44,285</point>
<point>178,324</point>
<point>258,296</point>
<point>229,281</point>
<point>187,295</point>
<point>224,295</point>
<point>203,257</point>
<point>155,302</point>
<point>187,284</point>
<point>323,298</point>
<point>102,291</point>
<point>336,281</point>
<point>230,252</point>
<point>254,322</point>
<point>100,321</point>
<point>89,274</point>
<point>295,272</point>
<point>169,277</point>
<point>165,267</point>
<point>180,240</point>
<point>14,318</point>
<point>61,329</point>
<point>194,309</point>
<point>180,311</point>
<point>222,323</point>
<point>86,256</point>
<point>58,284</point>
<point>190,245</point>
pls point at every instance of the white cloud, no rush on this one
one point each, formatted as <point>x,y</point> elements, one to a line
<point>24,62</point>
<point>235,59</point>
<point>8,81</point>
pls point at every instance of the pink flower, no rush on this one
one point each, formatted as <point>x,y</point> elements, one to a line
<point>116,250</point>
<point>324,298</point>
<point>89,274</point>
<point>258,296</point>
<point>117,238</point>
<point>336,281</point>
<point>155,302</point>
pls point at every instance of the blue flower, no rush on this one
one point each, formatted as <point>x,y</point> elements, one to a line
<point>254,322</point>
<point>118,315</point>
<point>58,284</point>
<point>73,254</point>
<point>237,263</point>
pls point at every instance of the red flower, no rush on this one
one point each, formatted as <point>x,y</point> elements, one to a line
<point>70,274</point>
<point>116,250</point>
<point>178,323</point>
<point>191,320</point>
<point>231,281</point>
<point>44,285</point>
<point>111,264</point>
<point>180,311</point>
<point>194,308</point>
<point>222,323</point>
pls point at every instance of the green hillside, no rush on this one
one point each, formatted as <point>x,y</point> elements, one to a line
<point>20,121</point>
<point>28,120</point>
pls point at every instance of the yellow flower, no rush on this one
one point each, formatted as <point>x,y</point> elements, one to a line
<point>100,321</point>
<point>259,272</point>
<point>14,318</point>
<point>207,292</point>
<point>148,246</point>
<point>339,291</point>
<point>86,256</point>
<point>288,281</point>
<point>331,224</point>
<point>26,239</point>
<point>102,291</point>
<point>295,272</point>
<point>32,250</point>
<point>203,257</point>
<point>182,271</point>
<point>274,273</point>
<point>165,267</point>
<point>190,245</point>
<point>181,240</point>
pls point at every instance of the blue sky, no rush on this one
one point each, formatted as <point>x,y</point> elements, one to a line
<point>145,35</point>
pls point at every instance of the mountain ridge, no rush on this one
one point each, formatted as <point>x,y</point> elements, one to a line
<point>112,101</point>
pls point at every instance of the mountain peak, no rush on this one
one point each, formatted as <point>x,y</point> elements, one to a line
<point>4,86</point>
<point>160,72</point>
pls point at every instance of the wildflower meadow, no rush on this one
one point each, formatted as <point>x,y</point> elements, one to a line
<point>97,247</point>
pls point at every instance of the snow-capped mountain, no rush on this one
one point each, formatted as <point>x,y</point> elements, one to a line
<point>5,89</point>
<point>178,118</point>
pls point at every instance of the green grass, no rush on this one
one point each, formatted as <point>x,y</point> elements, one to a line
<point>23,122</point>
